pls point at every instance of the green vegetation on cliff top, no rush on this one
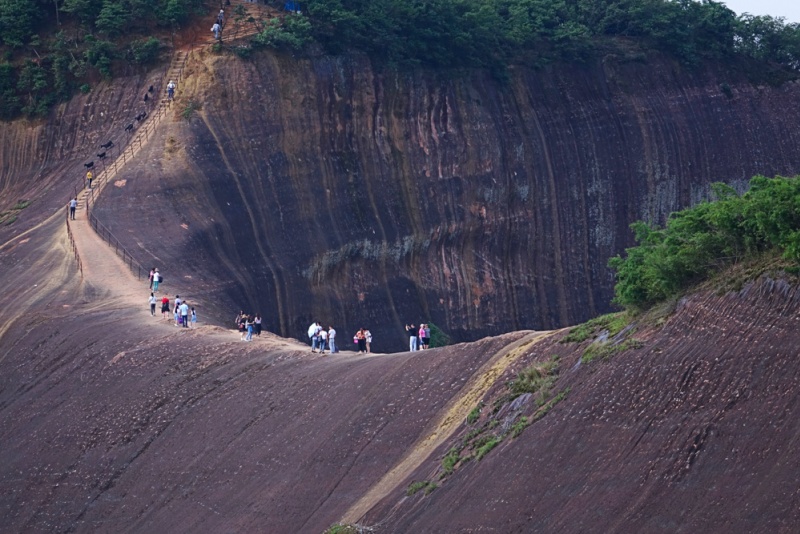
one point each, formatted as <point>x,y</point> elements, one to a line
<point>48,50</point>
<point>493,33</point>
<point>700,241</point>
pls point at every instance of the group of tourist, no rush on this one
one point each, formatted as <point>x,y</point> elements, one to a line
<point>418,338</point>
<point>247,325</point>
<point>184,315</point>
<point>363,338</point>
<point>181,313</point>
<point>216,29</point>
<point>321,338</point>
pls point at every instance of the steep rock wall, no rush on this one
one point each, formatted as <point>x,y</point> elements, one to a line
<point>323,189</point>
<point>42,160</point>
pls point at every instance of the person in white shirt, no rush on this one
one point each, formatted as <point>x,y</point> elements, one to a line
<point>152,304</point>
<point>332,339</point>
<point>185,314</point>
<point>323,338</point>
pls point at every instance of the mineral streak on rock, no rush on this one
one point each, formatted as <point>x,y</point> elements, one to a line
<point>326,189</point>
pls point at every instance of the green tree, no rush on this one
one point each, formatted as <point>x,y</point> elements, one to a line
<point>17,21</point>
<point>113,18</point>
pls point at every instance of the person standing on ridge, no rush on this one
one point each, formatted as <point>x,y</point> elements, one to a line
<point>411,330</point>
<point>426,335</point>
<point>368,340</point>
<point>152,272</point>
<point>323,339</point>
<point>331,339</point>
<point>156,280</point>
<point>165,307</point>
<point>257,323</point>
<point>313,333</point>
<point>184,314</point>
<point>73,204</point>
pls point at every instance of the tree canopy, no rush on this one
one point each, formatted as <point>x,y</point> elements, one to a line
<point>702,240</point>
<point>50,49</point>
<point>498,32</point>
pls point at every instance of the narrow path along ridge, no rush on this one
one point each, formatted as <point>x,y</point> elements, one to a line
<point>101,265</point>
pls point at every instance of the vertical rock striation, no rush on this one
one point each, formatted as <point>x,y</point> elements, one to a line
<point>326,189</point>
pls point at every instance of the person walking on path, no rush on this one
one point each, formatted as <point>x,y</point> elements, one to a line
<point>89,178</point>
<point>73,204</point>
<point>221,17</point>
<point>165,307</point>
<point>171,90</point>
<point>411,330</point>
<point>185,314</point>
<point>178,310</point>
<point>152,272</point>
<point>194,318</point>
<point>217,30</point>
<point>332,339</point>
<point>249,325</point>
<point>156,281</point>
<point>152,304</point>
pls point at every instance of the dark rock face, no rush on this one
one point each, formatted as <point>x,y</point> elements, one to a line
<point>325,190</point>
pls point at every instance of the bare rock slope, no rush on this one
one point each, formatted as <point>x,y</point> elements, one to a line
<point>115,421</point>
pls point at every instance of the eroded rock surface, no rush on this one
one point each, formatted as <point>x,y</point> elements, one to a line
<point>325,190</point>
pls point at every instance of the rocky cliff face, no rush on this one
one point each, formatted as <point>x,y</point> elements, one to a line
<point>323,189</point>
<point>42,160</point>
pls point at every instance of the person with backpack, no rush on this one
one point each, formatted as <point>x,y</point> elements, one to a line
<point>217,30</point>
<point>165,307</point>
<point>323,339</point>
<point>156,281</point>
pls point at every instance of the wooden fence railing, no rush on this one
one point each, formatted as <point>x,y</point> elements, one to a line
<point>109,171</point>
